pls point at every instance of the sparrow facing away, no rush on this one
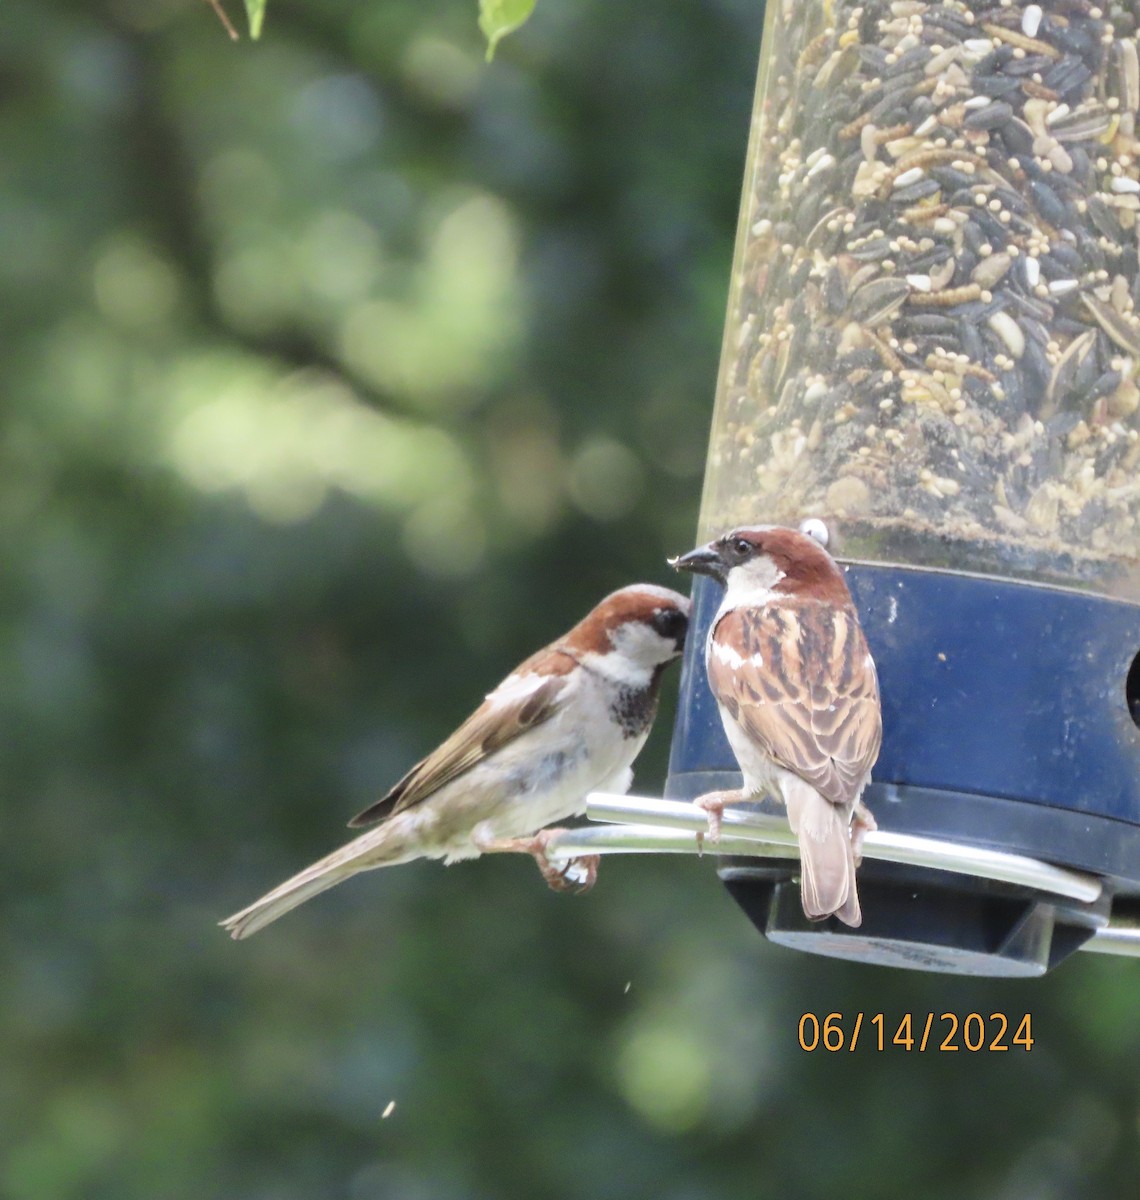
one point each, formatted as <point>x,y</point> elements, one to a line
<point>568,721</point>
<point>799,698</point>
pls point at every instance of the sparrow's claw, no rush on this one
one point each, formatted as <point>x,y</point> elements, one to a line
<point>862,823</point>
<point>714,806</point>
<point>576,875</point>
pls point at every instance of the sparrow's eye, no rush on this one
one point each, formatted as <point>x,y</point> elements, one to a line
<point>742,546</point>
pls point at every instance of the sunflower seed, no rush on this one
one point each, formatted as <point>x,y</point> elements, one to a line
<point>1081,125</point>
<point>874,302</point>
<point>1071,367</point>
<point>1124,331</point>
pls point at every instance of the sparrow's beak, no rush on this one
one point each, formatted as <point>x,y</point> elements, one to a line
<point>704,560</point>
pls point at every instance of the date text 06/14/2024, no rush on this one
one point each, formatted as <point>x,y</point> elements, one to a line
<point>944,1032</point>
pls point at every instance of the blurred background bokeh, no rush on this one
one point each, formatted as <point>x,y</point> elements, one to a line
<point>338,373</point>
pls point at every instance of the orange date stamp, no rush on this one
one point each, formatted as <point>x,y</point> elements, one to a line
<point>946,1032</point>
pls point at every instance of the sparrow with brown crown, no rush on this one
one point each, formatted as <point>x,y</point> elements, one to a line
<point>798,696</point>
<point>568,721</point>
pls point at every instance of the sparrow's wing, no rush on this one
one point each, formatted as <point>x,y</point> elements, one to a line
<point>800,681</point>
<point>510,710</point>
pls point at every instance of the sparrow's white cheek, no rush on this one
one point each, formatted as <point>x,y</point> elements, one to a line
<point>642,646</point>
<point>751,583</point>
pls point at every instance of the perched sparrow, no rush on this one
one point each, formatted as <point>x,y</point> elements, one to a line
<point>798,695</point>
<point>568,721</point>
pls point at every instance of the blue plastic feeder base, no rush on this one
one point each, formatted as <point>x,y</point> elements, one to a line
<point>1008,723</point>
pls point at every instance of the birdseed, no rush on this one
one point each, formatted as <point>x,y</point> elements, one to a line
<point>933,334</point>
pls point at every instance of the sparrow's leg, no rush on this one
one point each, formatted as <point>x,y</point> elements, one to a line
<point>563,875</point>
<point>714,804</point>
<point>862,823</point>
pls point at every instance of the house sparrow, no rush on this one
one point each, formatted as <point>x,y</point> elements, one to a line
<point>799,698</point>
<point>568,721</point>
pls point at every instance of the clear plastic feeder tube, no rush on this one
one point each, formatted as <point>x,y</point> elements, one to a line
<point>932,339</point>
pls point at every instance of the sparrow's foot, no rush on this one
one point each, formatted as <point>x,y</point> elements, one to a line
<point>576,875</point>
<point>714,804</point>
<point>862,823</point>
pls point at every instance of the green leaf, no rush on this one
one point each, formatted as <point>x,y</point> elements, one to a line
<point>255,12</point>
<point>497,18</point>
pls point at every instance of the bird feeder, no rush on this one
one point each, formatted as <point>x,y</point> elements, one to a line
<point>932,345</point>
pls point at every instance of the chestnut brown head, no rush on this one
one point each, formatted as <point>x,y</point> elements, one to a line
<point>769,559</point>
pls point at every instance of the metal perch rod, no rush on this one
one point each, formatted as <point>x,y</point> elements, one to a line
<point>746,831</point>
<point>1116,938</point>
<point>638,825</point>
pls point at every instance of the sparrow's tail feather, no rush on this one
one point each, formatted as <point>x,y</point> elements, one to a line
<point>384,846</point>
<point>827,860</point>
<point>849,912</point>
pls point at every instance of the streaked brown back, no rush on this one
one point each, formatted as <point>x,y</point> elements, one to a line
<point>778,694</point>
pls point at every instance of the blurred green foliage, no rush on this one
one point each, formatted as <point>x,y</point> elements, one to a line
<point>497,18</point>
<point>340,372</point>
<point>255,15</point>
